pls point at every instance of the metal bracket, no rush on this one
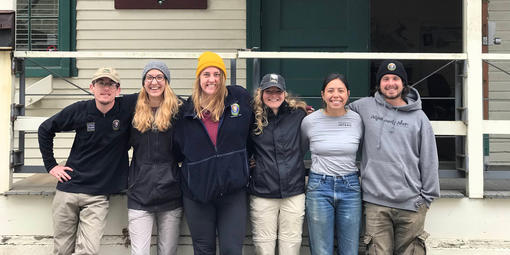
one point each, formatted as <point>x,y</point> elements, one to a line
<point>16,159</point>
<point>16,110</point>
<point>18,65</point>
<point>233,73</point>
<point>18,156</point>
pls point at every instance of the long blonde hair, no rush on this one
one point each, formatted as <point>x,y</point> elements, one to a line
<point>144,119</point>
<point>216,105</point>
<point>260,109</point>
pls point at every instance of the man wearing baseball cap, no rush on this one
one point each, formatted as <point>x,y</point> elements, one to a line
<point>399,166</point>
<point>97,165</point>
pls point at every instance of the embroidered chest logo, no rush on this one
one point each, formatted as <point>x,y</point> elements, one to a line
<point>234,109</point>
<point>91,126</point>
<point>116,125</point>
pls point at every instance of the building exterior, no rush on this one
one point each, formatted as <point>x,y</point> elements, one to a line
<point>471,217</point>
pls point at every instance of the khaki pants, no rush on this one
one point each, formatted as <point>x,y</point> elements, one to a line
<point>78,222</point>
<point>277,217</point>
<point>391,231</point>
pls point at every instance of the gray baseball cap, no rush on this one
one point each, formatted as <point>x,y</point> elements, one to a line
<point>272,80</point>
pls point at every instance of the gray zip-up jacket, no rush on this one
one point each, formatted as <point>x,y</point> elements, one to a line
<point>399,166</point>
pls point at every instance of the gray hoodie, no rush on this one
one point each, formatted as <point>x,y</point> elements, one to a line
<point>399,166</point>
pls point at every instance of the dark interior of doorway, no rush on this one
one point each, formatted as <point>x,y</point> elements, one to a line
<point>433,26</point>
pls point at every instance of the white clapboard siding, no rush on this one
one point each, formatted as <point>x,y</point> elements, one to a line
<point>499,82</point>
<point>62,145</point>
<point>499,149</point>
<point>176,34</point>
<point>100,27</point>
<point>211,5</point>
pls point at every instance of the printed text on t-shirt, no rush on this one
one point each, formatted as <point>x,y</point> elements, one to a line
<point>399,123</point>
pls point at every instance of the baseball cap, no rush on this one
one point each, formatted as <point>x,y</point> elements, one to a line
<point>272,80</point>
<point>106,72</point>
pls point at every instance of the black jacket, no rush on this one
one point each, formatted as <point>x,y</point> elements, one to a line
<point>153,174</point>
<point>279,169</point>
<point>208,171</point>
<point>99,155</point>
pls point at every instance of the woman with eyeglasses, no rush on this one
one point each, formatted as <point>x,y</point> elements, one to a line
<point>211,136</point>
<point>277,185</point>
<point>154,194</point>
<point>333,194</point>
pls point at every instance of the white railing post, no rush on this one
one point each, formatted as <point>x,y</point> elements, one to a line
<point>472,30</point>
<point>6,96</point>
<point>5,120</point>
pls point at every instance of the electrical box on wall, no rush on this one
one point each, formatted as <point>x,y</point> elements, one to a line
<point>492,39</point>
<point>7,27</point>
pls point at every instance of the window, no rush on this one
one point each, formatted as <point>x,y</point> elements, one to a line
<point>43,25</point>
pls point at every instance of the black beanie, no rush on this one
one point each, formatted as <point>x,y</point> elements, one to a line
<point>391,67</point>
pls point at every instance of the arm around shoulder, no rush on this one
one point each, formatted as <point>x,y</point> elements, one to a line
<point>305,127</point>
<point>354,106</point>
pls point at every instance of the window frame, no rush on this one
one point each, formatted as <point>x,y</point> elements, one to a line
<point>64,67</point>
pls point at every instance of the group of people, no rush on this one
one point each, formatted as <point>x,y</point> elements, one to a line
<point>222,157</point>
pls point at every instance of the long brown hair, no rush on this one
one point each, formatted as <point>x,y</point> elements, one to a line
<point>144,119</point>
<point>261,111</point>
<point>216,105</point>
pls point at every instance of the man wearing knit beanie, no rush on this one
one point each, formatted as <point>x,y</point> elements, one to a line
<point>399,166</point>
<point>392,71</point>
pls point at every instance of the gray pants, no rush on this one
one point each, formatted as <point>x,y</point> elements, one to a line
<point>78,222</point>
<point>391,231</point>
<point>140,230</point>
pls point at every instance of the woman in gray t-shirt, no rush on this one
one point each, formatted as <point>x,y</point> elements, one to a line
<point>333,197</point>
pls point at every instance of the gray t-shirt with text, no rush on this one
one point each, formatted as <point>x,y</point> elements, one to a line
<point>333,142</point>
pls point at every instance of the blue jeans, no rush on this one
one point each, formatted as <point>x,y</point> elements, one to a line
<point>333,208</point>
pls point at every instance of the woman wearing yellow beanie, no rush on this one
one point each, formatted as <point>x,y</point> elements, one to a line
<point>211,138</point>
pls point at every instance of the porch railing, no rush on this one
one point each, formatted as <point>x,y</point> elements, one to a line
<point>457,128</point>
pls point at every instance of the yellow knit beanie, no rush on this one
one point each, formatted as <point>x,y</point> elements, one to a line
<point>208,59</point>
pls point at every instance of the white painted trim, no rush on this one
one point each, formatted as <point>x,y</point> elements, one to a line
<point>6,87</point>
<point>472,32</point>
<point>256,54</point>
<point>457,128</point>
<point>496,56</point>
<point>116,54</point>
<point>499,127</point>
<point>352,55</point>
<point>26,123</point>
<point>43,87</point>
<point>449,128</point>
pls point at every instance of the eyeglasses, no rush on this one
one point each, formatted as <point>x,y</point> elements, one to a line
<point>102,84</point>
<point>150,78</point>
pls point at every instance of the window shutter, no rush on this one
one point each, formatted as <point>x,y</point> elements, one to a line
<point>43,25</point>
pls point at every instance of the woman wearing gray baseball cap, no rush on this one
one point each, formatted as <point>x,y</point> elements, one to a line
<point>277,184</point>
